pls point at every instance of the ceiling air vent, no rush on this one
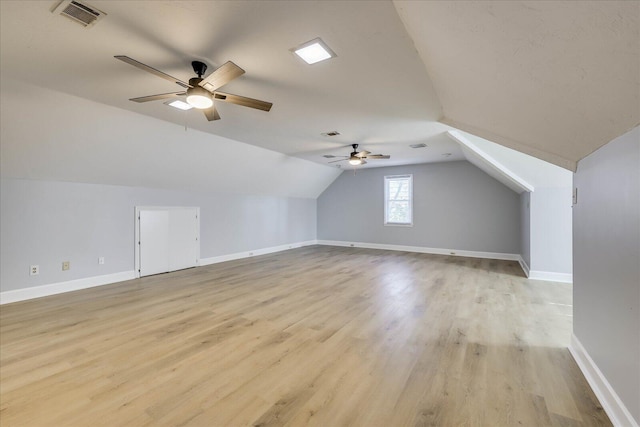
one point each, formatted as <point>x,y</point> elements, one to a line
<point>79,12</point>
<point>418,145</point>
<point>332,133</point>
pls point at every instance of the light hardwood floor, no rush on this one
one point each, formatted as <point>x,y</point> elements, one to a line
<point>321,336</point>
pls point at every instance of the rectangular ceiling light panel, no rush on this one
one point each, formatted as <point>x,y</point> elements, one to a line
<point>314,51</point>
<point>181,105</point>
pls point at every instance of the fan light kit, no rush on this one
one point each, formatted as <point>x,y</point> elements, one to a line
<point>200,93</point>
<point>314,51</point>
<point>199,98</point>
<point>355,161</point>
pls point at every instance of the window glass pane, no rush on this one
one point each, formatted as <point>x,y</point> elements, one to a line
<point>399,212</point>
<point>398,206</point>
<point>398,189</point>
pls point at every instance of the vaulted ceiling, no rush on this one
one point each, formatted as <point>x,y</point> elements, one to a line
<point>552,79</point>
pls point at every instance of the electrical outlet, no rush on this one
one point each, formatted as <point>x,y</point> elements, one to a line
<point>34,270</point>
<point>66,265</point>
<point>101,260</point>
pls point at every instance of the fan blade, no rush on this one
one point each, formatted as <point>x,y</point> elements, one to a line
<point>335,161</point>
<point>379,156</point>
<point>152,70</point>
<point>221,76</point>
<point>364,162</point>
<point>362,153</point>
<point>242,100</point>
<point>159,96</point>
<point>211,113</point>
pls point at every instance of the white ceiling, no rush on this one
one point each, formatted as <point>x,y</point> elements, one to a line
<point>518,171</point>
<point>536,172</point>
<point>59,138</point>
<point>552,79</point>
<point>375,93</point>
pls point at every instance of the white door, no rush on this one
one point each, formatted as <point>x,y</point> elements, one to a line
<point>183,238</point>
<point>154,242</point>
<point>168,239</point>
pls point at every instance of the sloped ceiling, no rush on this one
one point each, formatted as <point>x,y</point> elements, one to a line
<point>66,138</point>
<point>516,170</point>
<point>552,79</point>
<point>555,79</point>
<point>536,172</point>
<point>491,166</point>
<point>375,92</point>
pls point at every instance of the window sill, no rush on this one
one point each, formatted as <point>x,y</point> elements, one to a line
<point>394,224</point>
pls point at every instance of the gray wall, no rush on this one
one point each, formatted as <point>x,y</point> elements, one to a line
<point>456,206</point>
<point>606,289</point>
<point>551,248</point>
<point>525,227</point>
<point>45,223</point>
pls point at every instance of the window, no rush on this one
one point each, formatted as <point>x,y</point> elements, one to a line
<point>398,200</point>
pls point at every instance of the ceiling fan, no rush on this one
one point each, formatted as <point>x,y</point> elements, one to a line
<point>201,92</point>
<point>358,157</point>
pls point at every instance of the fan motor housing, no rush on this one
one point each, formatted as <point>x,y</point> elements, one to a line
<point>199,68</point>
<point>195,81</point>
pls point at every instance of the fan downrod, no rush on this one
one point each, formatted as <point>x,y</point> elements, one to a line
<point>199,68</point>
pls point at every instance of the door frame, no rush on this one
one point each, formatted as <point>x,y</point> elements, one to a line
<point>136,221</point>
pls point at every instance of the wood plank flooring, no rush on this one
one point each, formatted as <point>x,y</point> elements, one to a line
<point>317,336</point>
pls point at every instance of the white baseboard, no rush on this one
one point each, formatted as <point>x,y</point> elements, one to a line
<point>424,250</point>
<point>524,265</point>
<point>551,276</point>
<point>58,288</point>
<point>544,275</point>
<point>89,282</point>
<point>613,406</point>
<point>255,252</point>
<point>536,275</point>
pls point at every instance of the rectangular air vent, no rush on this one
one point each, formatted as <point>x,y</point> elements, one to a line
<point>79,12</point>
<point>418,145</point>
<point>332,133</point>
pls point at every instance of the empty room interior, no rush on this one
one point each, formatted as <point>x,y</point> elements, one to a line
<point>319,213</point>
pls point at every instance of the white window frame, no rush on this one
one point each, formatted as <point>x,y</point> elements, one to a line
<point>387,179</point>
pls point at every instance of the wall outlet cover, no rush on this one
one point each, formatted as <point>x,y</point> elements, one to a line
<point>66,265</point>
<point>34,270</point>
